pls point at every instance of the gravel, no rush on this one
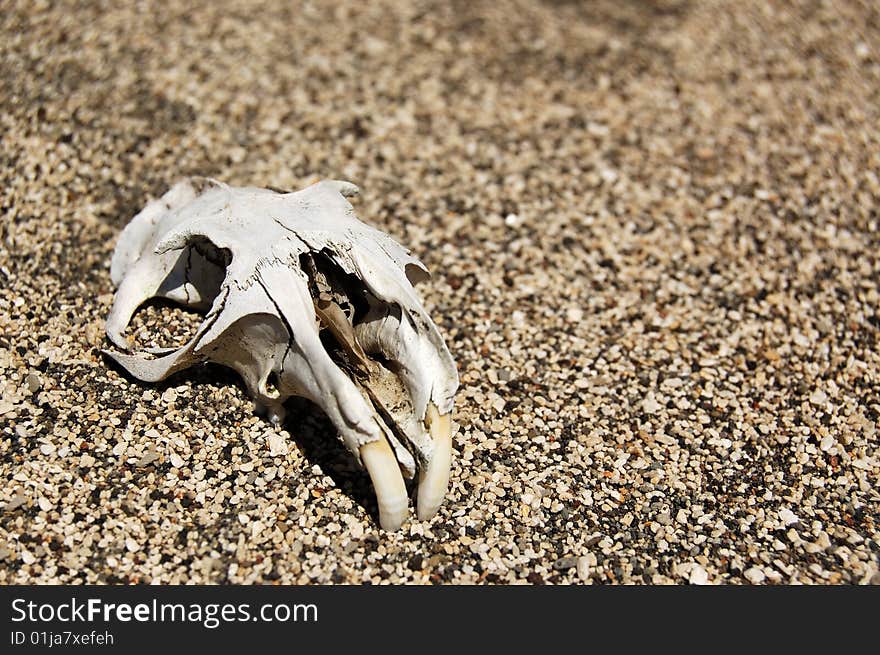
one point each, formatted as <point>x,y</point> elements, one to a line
<point>653,234</point>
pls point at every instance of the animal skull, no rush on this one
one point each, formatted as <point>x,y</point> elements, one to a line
<point>302,299</point>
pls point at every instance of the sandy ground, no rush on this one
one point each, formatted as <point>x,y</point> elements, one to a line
<point>653,232</point>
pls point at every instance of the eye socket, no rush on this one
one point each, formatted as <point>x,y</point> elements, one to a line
<point>171,317</point>
<point>161,325</point>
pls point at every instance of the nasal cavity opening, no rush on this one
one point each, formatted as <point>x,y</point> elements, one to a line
<point>340,303</point>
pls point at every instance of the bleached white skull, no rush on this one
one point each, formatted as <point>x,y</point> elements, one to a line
<point>301,298</point>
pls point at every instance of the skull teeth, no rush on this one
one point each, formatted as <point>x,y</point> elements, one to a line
<point>389,397</point>
<point>434,478</point>
<point>388,483</point>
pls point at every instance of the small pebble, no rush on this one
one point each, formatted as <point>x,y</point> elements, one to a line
<point>33,382</point>
<point>650,404</point>
<point>754,575</point>
<point>565,563</point>
<point>787,517</point>
<point>698,576</point>
<point>584,569</point>
<point>147,458</point>
<point>17,501</point>
<point>574,314</point>
<point>277,444</point>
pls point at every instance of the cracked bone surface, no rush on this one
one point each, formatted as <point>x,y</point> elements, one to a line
<point>302,299</point>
